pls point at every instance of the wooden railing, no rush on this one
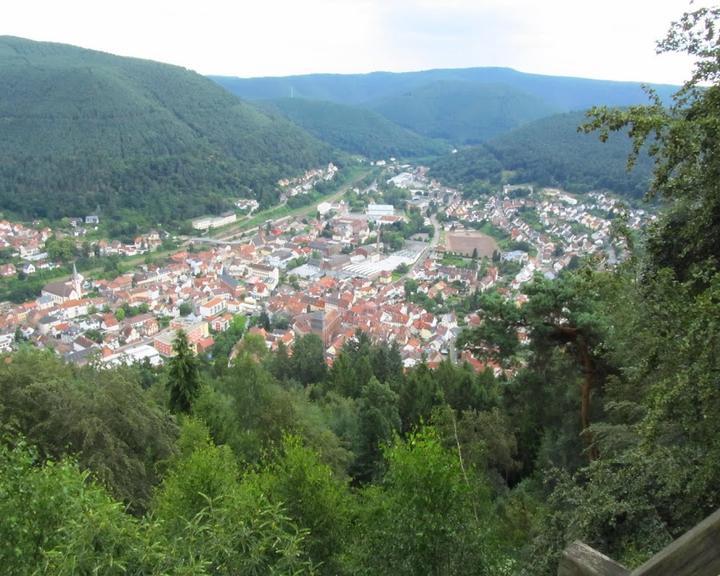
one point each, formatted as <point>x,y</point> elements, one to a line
<point>696,553</point>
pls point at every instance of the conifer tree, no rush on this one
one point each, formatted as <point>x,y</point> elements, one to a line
<point>184,378</point>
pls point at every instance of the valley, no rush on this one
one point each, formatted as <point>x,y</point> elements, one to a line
<point>449,321</point>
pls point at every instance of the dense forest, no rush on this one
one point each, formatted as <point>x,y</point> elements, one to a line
<point>561,93</point>
<point>354,130</point>
<point>461,107</point>
<point>601,425</point>
<point>551,151</point>
<point>462,112</point>
<point>84,131</point>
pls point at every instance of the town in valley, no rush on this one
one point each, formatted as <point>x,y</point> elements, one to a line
<point>394,254</point>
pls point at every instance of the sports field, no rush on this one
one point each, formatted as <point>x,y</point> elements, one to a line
<point>465,241</point>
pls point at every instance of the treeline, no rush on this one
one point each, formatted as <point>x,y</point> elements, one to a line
<point>282,465</point>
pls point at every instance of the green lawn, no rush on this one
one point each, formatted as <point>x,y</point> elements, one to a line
<point>457,261</point>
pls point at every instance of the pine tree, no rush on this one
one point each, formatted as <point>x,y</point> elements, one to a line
<point>184,377</point>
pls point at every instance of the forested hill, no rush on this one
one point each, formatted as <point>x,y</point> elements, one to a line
<point>461,106</point>
<point>461,112</point>
<point>550,152</point>
<point>562,93</point>
<point>85,131</point>
<point>353,129</point>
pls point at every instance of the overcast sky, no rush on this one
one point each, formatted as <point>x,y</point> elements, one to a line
<point>609,39</point>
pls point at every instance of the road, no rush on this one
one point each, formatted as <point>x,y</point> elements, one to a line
<point>426,253</point>
<point>278,213</point>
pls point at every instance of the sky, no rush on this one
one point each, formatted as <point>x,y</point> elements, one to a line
<point>606,39</point>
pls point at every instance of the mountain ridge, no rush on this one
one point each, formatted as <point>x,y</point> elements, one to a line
<point>363,88</point>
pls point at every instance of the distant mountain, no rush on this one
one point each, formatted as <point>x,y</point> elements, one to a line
<point>559,92</point>
<point>462,112</point>
<point>549,152</point>
<point>85,131</point>
<point>354,130</point>
<point>461,106</point>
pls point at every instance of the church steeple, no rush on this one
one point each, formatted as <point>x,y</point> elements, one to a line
<point>77,281</point>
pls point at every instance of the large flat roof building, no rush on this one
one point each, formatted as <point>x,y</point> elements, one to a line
<point>377,211</point>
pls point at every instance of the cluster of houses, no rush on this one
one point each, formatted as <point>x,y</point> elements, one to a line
<point>28,244</point>
<point>556,225</point>
<point>335,308</point>
<point>305,183</point>
<point>135,316</point>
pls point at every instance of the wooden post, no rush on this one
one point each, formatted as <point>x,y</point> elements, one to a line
<point>578,559</point>
<point>695,553</point>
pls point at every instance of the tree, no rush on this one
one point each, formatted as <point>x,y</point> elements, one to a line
<point>183,376</point>
<point>314,499</point>
<point>659,470</point>
<point>60,249</point>
<point>207,513</point>
<point>185,309</point>
<point>418,394</point>
<point>56,520</point>
<point>308,359</point>
<point>378,423</point>
<point>280,364</point>
<point>107,421</point>
<point>428,516</point>
<point>563,315</point>
<point>682,141</point>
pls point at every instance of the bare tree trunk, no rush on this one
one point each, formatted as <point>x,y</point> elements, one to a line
<point>588,367</point>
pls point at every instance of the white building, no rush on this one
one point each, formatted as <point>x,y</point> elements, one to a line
<point>207,222</point>
<point>213,307</point>
<point>377,211</point>
<point>134,355</point>
<point>6,341</point>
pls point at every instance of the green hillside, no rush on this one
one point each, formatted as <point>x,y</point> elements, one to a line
<point>85,131</point>
<point>549,152</point>
<point>463,106</point>
<point>560,92</point>
<point>474,170</point>
<point>461,112</point>
<point>552,152</point>
<point>354,130</point>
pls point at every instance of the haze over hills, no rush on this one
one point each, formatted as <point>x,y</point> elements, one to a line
<point>84,130</point>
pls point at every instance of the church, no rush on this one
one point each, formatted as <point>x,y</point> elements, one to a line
<point>61,292</point>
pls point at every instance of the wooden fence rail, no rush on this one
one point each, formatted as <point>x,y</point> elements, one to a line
<point>695,553</point>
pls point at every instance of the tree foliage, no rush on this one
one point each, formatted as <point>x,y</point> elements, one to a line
<point>183,376</point>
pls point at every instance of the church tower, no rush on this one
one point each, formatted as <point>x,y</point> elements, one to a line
<point>77,281</point>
